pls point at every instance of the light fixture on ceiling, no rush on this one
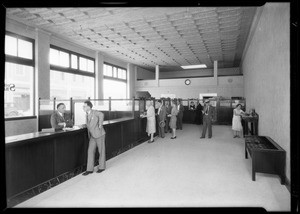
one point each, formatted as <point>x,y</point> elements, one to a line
<point>193,66</point>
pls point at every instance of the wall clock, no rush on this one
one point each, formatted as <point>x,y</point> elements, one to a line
<point>187,81</point>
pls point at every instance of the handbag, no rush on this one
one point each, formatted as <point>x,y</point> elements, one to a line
<point>162,124</point>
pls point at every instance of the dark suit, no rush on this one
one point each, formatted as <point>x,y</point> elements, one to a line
<point>56,118</point>
<point>180,116</point>
<point>168,111</point>
<point>161,117</point>
<point>96,133</point>
<point>199,114</point>
<point>208,116</point>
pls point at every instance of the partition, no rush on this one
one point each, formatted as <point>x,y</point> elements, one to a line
<point>113,109</point>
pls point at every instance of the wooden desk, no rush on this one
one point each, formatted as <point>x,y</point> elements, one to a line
<point>253,120</point>
<point>267,156</point>
<point>37,158</point>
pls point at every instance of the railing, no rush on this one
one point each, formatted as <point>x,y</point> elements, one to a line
<point>129,108</point>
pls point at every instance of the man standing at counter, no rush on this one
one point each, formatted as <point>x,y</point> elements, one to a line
<point>96,133</point>
<point>180,109</point>
<point>161,113</point>
<point>59,119</point>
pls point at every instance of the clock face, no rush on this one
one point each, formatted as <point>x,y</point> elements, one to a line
<point>187,81</point>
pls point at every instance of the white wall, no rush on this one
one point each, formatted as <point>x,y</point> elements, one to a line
<point>225,88</point>
<point>145,74</point>
<point>17,127</point>
<point>266,68</point>
<point>199,72</point>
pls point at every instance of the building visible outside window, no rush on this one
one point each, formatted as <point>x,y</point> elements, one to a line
<point>71,75</point>
<point>114,82</point>
<point>19,76</point>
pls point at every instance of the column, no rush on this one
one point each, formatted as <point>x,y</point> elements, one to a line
<point>157,75</point>
<point>216,72</point>
<point>99,76</point>
<point>42,64</point>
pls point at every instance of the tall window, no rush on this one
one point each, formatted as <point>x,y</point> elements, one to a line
<point>19,76</point>
<point>114,82</point>
<point>71,74</point>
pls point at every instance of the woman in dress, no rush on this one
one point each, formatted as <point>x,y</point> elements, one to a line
<point>173,116</point>
<point>150,128</point>
<point>236,121</point>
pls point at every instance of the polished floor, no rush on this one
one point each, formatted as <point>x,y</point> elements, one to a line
<point>185,172</point>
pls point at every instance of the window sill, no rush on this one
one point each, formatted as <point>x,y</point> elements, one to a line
<point>20,118</point>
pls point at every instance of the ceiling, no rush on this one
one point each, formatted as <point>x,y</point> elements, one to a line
<point>149,36</point>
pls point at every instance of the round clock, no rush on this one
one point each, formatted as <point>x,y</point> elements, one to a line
<point>187,81</point>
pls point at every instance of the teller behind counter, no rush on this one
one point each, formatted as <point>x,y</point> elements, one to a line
<point>60,119</point>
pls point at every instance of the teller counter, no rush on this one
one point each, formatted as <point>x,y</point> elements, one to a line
<point>38,161</point>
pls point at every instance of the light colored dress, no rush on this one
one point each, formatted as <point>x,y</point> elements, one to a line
<point>173,120</point>
<point>236,120</point>
<point>151,128</point>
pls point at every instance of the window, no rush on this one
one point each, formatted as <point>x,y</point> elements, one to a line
<point>114,89</point>
<point>59,58</point>
<point>117,73</point>
<point>71,74</point>
<point>114,82</point>
<point>15,46</point>
<point>19,76</point>
<point>71,86</point>
<point>74,63</point>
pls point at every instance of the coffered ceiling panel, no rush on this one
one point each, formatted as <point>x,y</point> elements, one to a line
<point>166,36</point>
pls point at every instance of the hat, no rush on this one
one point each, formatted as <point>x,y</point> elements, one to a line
<point>206,101</point>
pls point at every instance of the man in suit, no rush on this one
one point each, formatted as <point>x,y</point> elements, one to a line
<point>59,119</point>
<point>96,133</point>
<point>161,113</point>
<point>180,109</point>
<point>168,111</point>
<point>208,117</point>
<point>199,114</point>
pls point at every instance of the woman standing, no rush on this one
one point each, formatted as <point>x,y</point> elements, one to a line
<point>236,121</point>
<point>173,116</point>
<point>150,128</point>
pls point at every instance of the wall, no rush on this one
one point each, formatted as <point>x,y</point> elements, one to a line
<point>266,69</point>
<point>198,72</point>
<point>228,86</point>
<point>16,127</point>
<point>143,74</point>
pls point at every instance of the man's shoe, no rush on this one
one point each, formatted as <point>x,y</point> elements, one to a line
<point>209,137</point>
<point>100,170</point>
<point>202,137</point>
<point>87,172</point>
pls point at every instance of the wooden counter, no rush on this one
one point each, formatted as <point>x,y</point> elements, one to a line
<point>35,158</point>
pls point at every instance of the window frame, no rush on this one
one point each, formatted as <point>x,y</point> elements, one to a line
<point>112,77</point>
<point>27,62</point>
<point>70,69</point>
<point>116,78</point>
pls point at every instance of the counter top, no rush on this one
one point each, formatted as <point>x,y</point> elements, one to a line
<point>29,136</point>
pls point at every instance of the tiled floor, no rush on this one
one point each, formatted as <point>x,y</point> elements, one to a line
<point>185,172</point>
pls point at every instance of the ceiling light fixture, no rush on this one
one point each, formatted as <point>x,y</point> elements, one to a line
<point>193,66</point>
